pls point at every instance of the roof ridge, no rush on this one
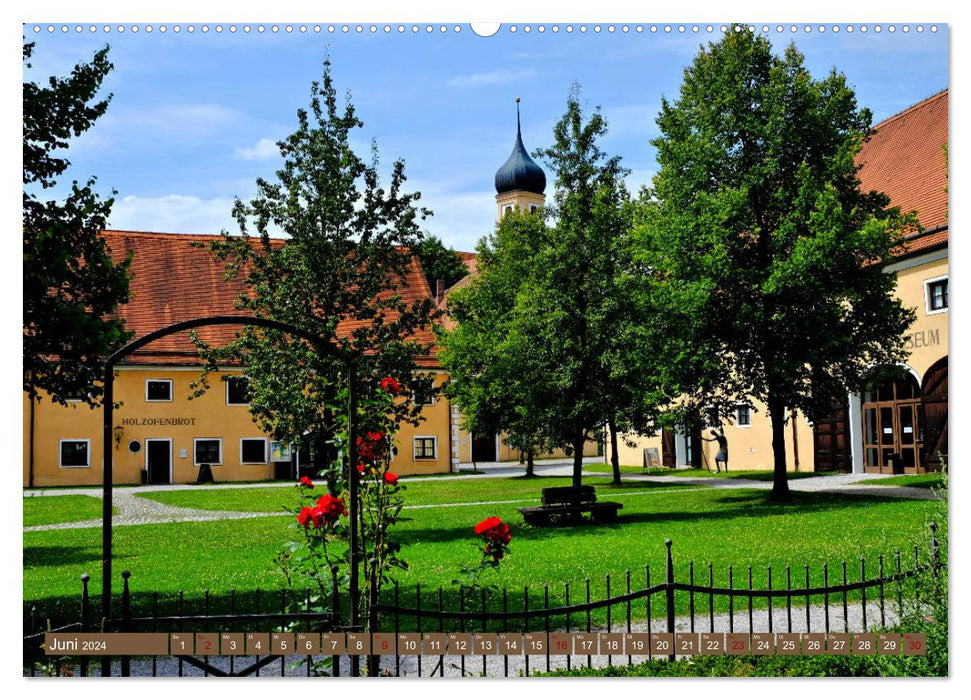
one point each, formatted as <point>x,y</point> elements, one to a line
<point>911,108</point>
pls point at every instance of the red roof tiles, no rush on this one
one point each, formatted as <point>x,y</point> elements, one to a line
<point>174,279</point>
<point>905,159</point>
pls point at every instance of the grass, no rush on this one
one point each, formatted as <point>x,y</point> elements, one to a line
<point>749,474</point>
<point>920,481</point>
<point>273,500</point>
<point>60,509</point>
<point>742,527</point>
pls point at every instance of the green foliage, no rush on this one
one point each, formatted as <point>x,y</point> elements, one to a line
<point>344,263</point>
<point>71,285</point>
<point>553,335</point>
<point>440,263</point>
<point>771,256</point>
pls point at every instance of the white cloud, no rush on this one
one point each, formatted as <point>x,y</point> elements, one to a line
<point>265,149</point>
<point>173,213</point>
<point>495,77</point>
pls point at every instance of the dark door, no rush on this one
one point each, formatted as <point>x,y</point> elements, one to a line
<point>159,456</point>
<point>935,416</point>
<point>484,448</point>
<point>667,448</point>
<point>831,443</point>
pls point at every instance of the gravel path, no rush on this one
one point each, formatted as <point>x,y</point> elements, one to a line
<point>133,510</point>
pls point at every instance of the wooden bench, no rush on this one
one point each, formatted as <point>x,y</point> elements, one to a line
<point>566,505</point>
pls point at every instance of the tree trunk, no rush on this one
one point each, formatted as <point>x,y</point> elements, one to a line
<point>780,484</point>
<point>529,463</point>
<point>614,457</point>
<point>578,458</point>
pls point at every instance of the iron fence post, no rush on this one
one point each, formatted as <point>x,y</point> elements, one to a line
<point>126,620</point>
<point>669,593</point>
<point>85,616</point>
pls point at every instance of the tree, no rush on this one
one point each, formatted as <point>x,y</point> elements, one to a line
<point>71,285</point>
<point>494,375</point>
<point>440,263</point>
<point>340,275</point>
<point>771,256</point>
<point>542,329</point>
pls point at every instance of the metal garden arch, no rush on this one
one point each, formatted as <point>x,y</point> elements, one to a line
<point>107,451</point>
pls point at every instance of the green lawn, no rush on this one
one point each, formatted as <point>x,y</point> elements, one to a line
<point>920,481</point>
<point>751,474</point>
<point>421,492</point>
<point>740,527</point>
<point>48,510</point>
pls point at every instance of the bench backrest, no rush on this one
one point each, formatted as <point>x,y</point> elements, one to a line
<point>559,495</point>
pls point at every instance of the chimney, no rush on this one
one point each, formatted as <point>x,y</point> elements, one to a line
<point>439,291</point>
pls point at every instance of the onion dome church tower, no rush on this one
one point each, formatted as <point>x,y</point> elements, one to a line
<point>520,183</point>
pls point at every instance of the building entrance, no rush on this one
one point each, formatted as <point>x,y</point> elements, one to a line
<point>158,461</point>
<point>484,449</point>
<point>893,425</point>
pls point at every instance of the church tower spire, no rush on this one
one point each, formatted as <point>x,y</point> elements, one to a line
<point>520,183</point>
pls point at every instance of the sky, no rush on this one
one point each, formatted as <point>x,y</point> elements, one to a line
<point>194,116</point>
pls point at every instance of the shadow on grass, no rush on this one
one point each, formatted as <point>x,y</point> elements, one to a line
<point>43,556</point>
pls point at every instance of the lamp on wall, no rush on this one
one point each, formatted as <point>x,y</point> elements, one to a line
<point>118,430</point>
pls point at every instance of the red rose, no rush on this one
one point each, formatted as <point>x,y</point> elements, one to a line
<point>370,446</point>
<point>330,508</point>
<point>304,517</point>
<point>305,481</point>
<point>487,525</point>
<point>390,478</point>
<point>500,534</point>
<point>391,386</point>
<point>317,516</point>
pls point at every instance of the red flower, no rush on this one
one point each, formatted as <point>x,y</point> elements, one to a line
<point>317,516</point>
<point>304,517</point>
<point>391,386</point>
<point>330,508</point>
<point>487,525</point>
<point>390,478</point>
<point>370,446</point>
<point>305,481</point>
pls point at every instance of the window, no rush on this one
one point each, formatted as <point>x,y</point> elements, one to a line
<point>533,208</point>
<point>423,391</point>
<point>743,416</point>
<point>158,390</point>
<point>426,447</point>
<point>208,451</point>
<point>75,454</point>
<point>935,292</point>
<point>252,451</point>
<point>237,391</point>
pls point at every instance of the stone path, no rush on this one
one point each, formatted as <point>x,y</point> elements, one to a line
<point>134,510</point>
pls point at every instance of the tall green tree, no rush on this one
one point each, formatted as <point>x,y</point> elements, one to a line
<point>440,263</point>
<point>341,275</point>
<point>71,285</point>
<point>770,254</point>
<point>554,308</point>
<point>494,375</point>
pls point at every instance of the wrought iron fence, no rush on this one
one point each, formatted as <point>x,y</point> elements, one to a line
<point>789,602</point>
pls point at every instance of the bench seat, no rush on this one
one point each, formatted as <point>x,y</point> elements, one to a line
<point>566,505</point>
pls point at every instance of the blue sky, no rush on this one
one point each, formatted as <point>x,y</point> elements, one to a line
<point>194,116</point>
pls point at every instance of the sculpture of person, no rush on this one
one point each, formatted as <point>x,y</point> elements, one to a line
<point>722,454</point>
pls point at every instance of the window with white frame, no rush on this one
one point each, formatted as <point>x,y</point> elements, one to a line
<point>158,389</point>
<point>936,295</point>
<point>426,447</point>
<point>208,451</point>
<point>743,416</point>
<point>423,391</point>
<point>252,451</point>
<point>237,391</point>
<point>75,454</point>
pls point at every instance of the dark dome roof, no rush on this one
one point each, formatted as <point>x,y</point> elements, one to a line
<point>520,172</point>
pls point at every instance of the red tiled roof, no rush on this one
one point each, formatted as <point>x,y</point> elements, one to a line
<point>905,159</point>
<point>174,280</point>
